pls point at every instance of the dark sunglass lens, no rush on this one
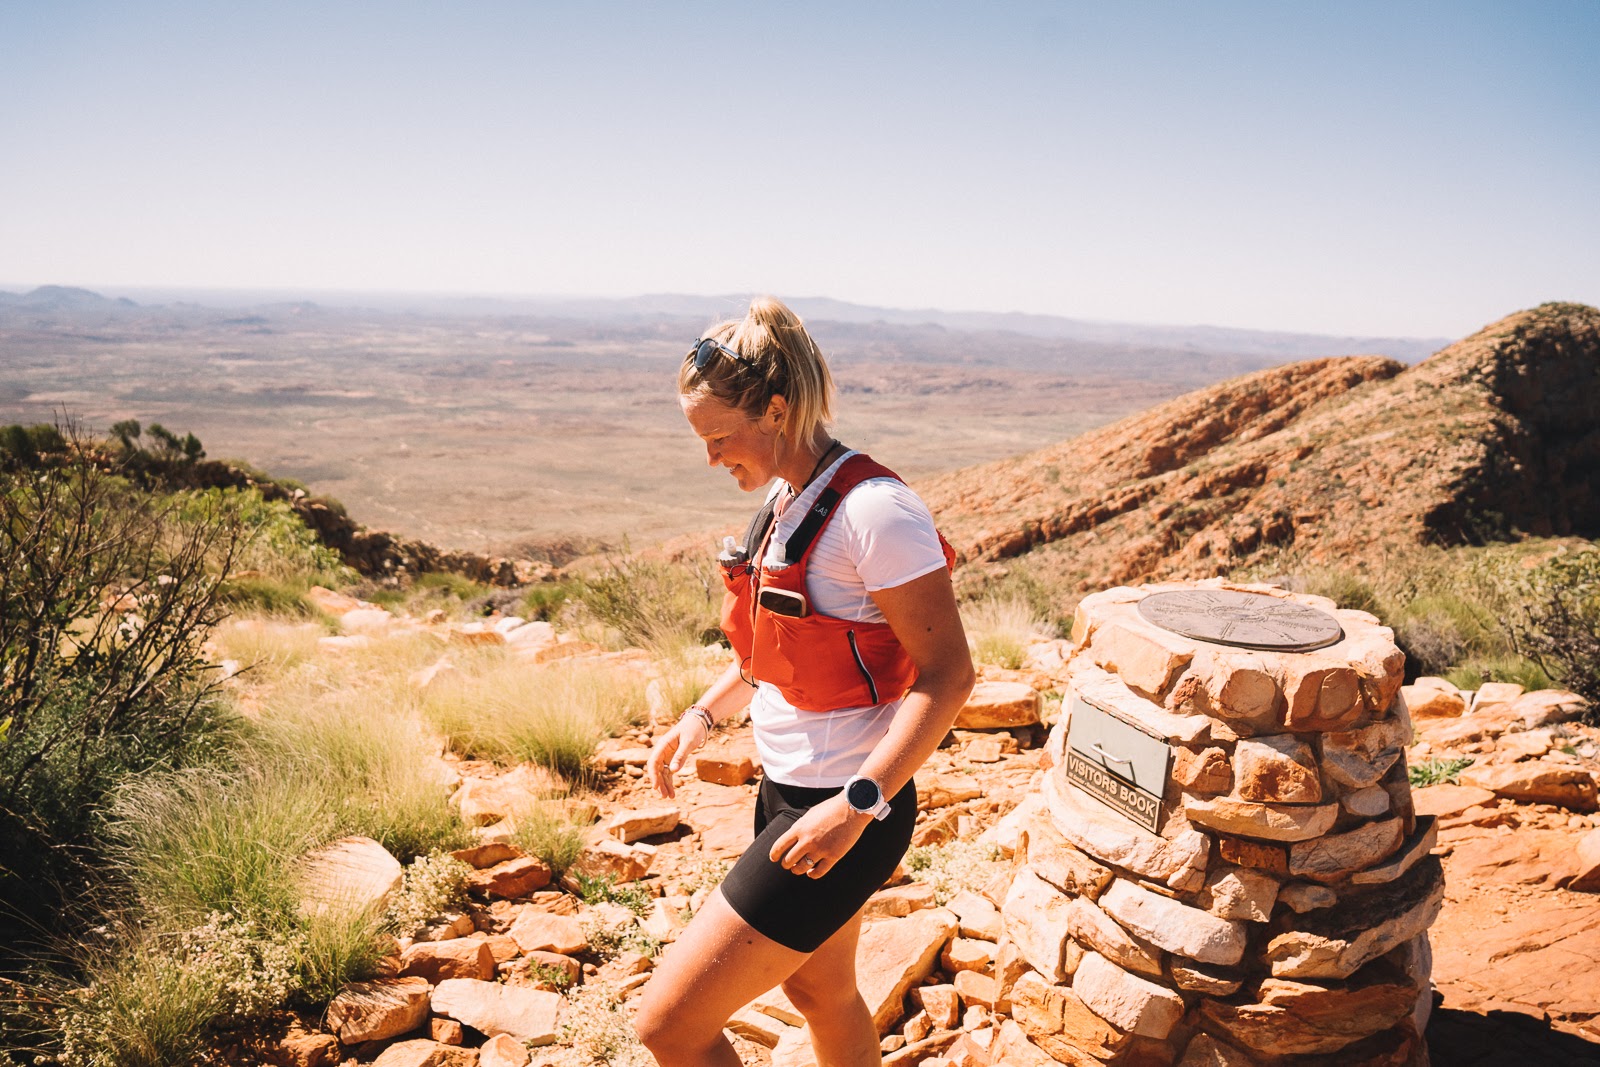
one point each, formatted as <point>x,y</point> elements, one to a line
<point>704,353</point>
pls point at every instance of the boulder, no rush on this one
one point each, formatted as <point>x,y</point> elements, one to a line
<point>353,874</point>
<point>1239,893</point>
<point>482,857</point>
<point>1546,707</point>
<point>532,1016</point>
<point>1035,919</point>
<point>999,704</point>
<point>1303,1018</point>
<point>503,1050</point>
<point>1359,758</point>
<point>977,915</point>
<point>1335,857</point>
<point>1205,770</point>
<point>725,768</point>
<point>967,954</point>
<point>335,604</point>
<point>941,1003</point>
<point>1587,854</point>
<point>1179,861</point>
<point>424,1052</point>
<point>1130,1003</point>
<point>1336,942</point>
<point>1429,702</point>
<point>1536,782</point>
<point>609,858</point>
<point>460,957</point>
<point>1092,928</point>
<point>379,1009</point>
<point>1049,855</point>
<point>1493,693</point>
<point>488,800</point>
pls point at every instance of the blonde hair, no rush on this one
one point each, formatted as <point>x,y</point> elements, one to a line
<point>786,362</point>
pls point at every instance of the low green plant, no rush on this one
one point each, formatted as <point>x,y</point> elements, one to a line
<point>598,1029</point>
<point>653,605</point>
<point>953,866</point>
<point>337,946</point>
<point>1556,619</point>
<point>547,831</point>
<point>1437,771</point>
<point>604,889</point>
<point>157,999</point>
<point>550,977</point>
<point>431,885</point>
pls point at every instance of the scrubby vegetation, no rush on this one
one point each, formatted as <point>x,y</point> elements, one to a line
<point>1526,612</point>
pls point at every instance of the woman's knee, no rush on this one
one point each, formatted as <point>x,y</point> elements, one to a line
<point>815,996</point>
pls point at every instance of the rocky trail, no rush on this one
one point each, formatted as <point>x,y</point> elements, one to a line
<point>532,972</point>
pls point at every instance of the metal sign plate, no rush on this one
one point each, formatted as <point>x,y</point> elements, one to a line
<point>1244,620</point>
<point>1117,763</point>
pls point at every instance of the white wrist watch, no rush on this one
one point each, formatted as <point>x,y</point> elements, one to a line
<point>866,796</point>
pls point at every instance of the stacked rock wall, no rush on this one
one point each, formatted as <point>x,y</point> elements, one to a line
<point>1279,913</point>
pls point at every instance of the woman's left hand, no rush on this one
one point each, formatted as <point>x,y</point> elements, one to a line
<point>819,838</point>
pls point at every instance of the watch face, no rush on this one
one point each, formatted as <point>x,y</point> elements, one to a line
<point>863,794</point>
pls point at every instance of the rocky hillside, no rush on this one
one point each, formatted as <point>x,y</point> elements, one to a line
<point>1335,457</point>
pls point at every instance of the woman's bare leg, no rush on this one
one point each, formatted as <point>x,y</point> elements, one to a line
<point>824,989</point>
<point>717,966</point>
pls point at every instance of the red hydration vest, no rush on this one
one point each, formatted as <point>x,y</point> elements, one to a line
<point>819,663</point>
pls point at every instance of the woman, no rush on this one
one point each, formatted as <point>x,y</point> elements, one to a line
<point>851,656</point>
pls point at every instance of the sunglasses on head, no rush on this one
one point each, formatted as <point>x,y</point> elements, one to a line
<point>705,350</point>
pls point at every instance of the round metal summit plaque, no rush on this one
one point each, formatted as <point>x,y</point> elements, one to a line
<point>1244,620</point>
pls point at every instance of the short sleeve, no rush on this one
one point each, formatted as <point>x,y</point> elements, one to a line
<point>890,533</point>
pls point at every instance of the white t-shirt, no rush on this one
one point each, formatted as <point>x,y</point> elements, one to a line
<point>881,536</point>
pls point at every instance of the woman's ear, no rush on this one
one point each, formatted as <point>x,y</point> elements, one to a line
<point>778,412</point>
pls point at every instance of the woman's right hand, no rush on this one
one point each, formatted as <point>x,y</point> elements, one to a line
<point>672,750</point>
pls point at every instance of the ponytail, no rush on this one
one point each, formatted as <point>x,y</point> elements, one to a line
<point>786,362</point>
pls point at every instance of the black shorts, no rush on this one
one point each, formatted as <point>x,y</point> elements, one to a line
<point>799,911</point>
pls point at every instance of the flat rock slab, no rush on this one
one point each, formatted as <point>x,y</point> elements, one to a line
<point>1337,941</point>
<point>1271,822</point>
<point>1536,782</point>
<point>1128,1002</point>
<point>532,1016</point>
<point>1445,800</point>
<point>1174,926</point>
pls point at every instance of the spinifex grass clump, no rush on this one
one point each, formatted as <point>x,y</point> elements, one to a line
<point>553,714</point>
<point>1000,627</point>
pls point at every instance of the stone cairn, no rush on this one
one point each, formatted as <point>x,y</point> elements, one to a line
<point>1279,912</point>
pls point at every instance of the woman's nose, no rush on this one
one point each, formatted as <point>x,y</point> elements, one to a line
<point>713,454</point>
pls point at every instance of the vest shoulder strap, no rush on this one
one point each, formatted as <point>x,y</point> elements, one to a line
<point>851,473</point>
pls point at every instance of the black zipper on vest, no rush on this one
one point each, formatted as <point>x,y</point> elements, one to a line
<point>872,686</point>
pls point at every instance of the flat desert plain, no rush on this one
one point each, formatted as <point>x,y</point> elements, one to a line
<point>528,433</point>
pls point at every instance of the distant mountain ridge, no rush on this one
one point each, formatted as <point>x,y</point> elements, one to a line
<point>1278,345</point>
<point>1335,457</point>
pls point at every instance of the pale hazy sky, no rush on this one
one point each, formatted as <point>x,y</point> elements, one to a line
<point>1372,168</point>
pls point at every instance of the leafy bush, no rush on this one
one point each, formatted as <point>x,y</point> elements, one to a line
<point>1556,618</point>
<point>953,866</point>
<point>156,999</point>
<point>105,599</point>
<point>432,885</point>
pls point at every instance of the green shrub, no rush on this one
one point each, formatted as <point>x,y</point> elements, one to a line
<point>432,885</point>
<point>1437,771</point>
<point>1556,619</point>
<point>653,605</point>
<point>156,999</point>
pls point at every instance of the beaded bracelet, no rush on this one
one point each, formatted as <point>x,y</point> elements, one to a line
<point>703,713</point>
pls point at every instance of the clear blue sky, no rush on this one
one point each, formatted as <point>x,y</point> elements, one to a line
<point>1373,168</point>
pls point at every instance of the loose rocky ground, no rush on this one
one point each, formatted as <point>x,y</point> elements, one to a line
<point>542,974</point>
